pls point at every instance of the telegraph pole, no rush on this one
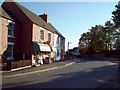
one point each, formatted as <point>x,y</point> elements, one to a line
<point>68,49</point>
<point>68,45</point>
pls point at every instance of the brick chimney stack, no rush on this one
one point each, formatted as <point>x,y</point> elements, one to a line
<point>44,17</point>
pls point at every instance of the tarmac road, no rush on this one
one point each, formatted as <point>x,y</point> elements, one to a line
<point>78,73</point>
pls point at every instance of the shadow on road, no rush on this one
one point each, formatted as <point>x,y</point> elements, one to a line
<point>82,79</point>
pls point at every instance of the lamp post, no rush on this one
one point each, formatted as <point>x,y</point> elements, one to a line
<point>68,45</point>
<point>68,49</point>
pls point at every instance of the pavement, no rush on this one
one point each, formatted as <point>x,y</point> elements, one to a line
<point>41,68</point>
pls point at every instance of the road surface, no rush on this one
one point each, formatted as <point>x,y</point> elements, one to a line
<point>78,74</point>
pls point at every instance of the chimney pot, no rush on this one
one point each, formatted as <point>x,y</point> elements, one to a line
<point>44,17</point>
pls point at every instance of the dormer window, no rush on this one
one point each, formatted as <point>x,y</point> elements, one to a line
<point>11,29</point>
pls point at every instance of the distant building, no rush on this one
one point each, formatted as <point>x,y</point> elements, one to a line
<point>27,39</point>
<point>72,53</point>
<point>75,51</point>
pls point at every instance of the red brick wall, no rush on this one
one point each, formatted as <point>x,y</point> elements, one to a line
<point>17,41</point>
<point>26,39</point>
<point>36,33</point>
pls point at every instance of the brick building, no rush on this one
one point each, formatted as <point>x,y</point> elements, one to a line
<point>6,22</point>
<point>27,39</point>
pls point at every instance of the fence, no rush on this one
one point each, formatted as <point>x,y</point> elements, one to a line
<point>20,63</point>
<point>15,64</point>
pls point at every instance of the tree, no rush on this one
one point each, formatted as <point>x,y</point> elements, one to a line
<point>92,40</point>
<point>117,40</point>
<point>99,38</point>
<point>116,15</point>
<point>116,19</point>
<point>84,42</point>
<point>110,34</point>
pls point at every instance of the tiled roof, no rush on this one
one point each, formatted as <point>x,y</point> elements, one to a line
<point>4,14</point>
<point>38,20</point>
<point>33,17</point>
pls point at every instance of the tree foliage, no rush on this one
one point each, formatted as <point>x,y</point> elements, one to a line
<point>99,38</point>
<point>116,14</point>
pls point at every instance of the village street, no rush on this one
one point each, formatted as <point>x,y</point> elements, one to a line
<point>77,73</point>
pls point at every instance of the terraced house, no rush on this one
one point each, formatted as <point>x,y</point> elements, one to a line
<point>28,39</point>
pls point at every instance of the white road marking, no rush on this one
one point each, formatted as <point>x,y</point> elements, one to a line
<point>89,70</point>
<point>34,72</point>
<point>21,74</point>
<point>105,81</point>
<point>29,83</point>
<point>67,65</point>
<point>109,63</point>
<point>43,71</point>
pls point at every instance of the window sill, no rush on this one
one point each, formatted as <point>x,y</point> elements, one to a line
<point>10,58</point>
<point>11,36</point>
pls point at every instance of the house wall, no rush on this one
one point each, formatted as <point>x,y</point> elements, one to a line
<point>22,42</point>
<point>62,48</point>
<point>4,44</point>
<point>59,43</point>
<point>17,42</point>
<point>57,46</point>
<point>26,40</point>
<point>36,33</point>
<point>36,36</point>
<point>45,34</point>
<point>4,39</point>
<point>0,41</point>
<point>51,42</point>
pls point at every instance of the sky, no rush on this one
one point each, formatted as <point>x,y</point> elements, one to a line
<point>72,19</point>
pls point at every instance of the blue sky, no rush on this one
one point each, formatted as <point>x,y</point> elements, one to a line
<point>73,18</point>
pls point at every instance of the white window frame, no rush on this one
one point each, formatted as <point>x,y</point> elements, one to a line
<point>11,57</point>
<point>49,37</point>
<point>12,36</point>
<point>42,34</point>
